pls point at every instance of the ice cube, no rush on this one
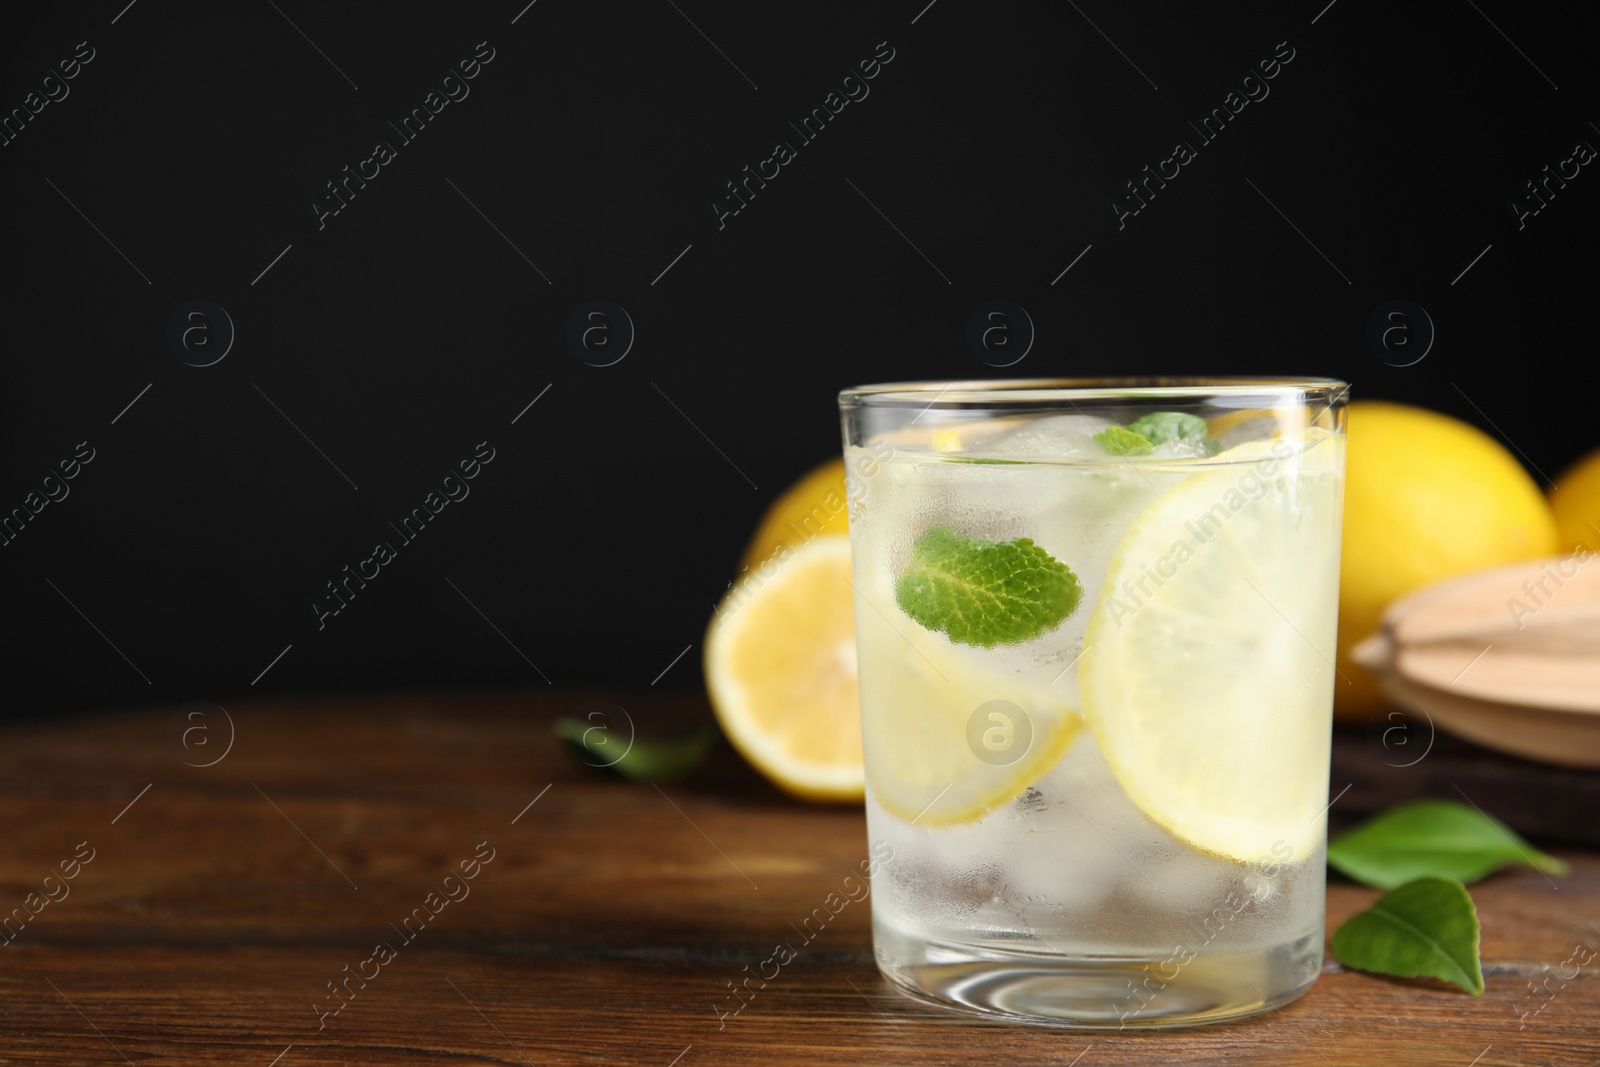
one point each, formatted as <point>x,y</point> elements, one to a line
<point>1184,448</point>
<point>1053,437</point>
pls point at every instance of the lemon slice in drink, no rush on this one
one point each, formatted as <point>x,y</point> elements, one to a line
<point>948,738</point>
<point>1207,669</point>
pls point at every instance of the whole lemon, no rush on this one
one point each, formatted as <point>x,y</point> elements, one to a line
<point>813,506</point>
<point>1427,497</point>
<point>1576,503</point>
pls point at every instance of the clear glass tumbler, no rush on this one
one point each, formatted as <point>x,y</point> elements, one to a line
<point>1095,623</point>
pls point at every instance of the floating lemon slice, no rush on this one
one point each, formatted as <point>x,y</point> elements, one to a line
<point>1207,671</point>
<point>949,740</point>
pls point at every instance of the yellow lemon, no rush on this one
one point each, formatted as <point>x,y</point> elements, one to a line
<point>923,693</point>
<point>1427,497</point>
<point>1576,503</point>
<point>1210,698</point>
<point>780,666</point>
<point>813,506</point>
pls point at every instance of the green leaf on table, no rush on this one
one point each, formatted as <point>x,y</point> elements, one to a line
<point>595,744</point>
<point>1426,928</point>
<point>1158,427</point>
<point>1121,441</point>
<point>982,592</point>
<point>1432,837</point>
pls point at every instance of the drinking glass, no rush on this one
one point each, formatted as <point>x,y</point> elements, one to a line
<point>1095,627</point>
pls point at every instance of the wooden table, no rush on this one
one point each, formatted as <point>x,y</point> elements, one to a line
<point>604,923</point>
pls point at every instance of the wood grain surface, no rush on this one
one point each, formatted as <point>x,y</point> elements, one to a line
<point>605,926</point>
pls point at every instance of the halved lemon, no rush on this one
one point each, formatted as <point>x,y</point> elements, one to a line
<point>780,665</point>
<point>1207,672</point>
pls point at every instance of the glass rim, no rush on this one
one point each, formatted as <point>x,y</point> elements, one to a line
<point>1004,392</point>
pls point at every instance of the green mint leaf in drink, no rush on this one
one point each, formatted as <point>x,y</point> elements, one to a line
<point>1426,928</point>
<point>1121,441</point>
<point>595,744</point>
<point>982,592</point>
<point>1159,427</point>
<point>1432,837</point>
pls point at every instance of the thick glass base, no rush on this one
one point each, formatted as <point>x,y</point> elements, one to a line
<point>1102,992</point>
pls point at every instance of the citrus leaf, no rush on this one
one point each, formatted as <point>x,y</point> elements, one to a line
<point>1426,928</point>
<point>1432,837</point>
<point>982,592</point>
<point>636,760</point>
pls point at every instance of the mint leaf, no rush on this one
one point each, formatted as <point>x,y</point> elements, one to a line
<point>1161,426</point>
<point>1121,441</point>
<point>1424,928</point>
<point>638,761</point>
<point>1432,837</point>
<point>983,592</point>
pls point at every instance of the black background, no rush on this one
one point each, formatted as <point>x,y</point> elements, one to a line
<point>407,329</point>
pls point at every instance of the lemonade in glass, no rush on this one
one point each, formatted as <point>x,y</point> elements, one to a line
<point>1095,623</point>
